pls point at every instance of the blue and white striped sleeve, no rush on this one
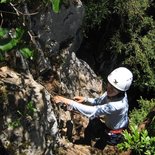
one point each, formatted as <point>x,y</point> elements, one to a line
<point>91,111</point>
<point>96,101</point>
<point>86,110</point>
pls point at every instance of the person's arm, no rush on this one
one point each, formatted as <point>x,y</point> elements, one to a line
<point>92,101</point>
<point>73,105</point>
<point>89,111</point>
<point>86,110</point>
<point>92,111</point>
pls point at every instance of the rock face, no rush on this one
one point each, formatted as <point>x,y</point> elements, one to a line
<point>27,117</point>
<point>57,31</point>
<point>77,78</point>
<point>30,122</point>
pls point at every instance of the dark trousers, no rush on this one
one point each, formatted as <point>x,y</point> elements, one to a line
<point>96,129</point>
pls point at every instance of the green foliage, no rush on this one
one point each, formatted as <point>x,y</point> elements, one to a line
<point>27,53</point>
<point>12,39</point>
<point>31,108</point>
<point>130,37</point>
<point>55,5</point>
<point>139,142</point>
<point>15,124</point>
<point>133,42</point>
<point>3,1</point>
<point>96,12</point>
<point>138,115</point>
<point>142,59</point>
<point>29,111</point>
<point>3,32</point>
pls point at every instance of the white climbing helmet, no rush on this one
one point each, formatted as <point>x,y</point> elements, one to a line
<point>121,78</point>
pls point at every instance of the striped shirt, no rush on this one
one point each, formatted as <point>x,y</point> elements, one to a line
<point>114,112</point>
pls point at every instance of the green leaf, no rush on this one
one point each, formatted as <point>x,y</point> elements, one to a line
<point>12,39</point>
<point>2,32</point>
<point>55,5</point>
<point>31,108</point>
<point>27,53</point>
<point>9,45</point>
<point>127,146</point>
<point>17,34</point>
<point>127,136</point>
<point>3,1</point>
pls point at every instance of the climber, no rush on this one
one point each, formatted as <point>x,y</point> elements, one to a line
<point>113,105</point>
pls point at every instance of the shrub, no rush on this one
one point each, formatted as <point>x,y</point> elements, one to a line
<point>138,115</point>
<point>139,142</point>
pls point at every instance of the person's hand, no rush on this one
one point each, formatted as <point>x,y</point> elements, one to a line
<point>79,99</point>
<point>60,99</point>
<point>57,99</point>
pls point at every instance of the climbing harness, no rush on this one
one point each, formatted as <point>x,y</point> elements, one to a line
<point>115,136</point>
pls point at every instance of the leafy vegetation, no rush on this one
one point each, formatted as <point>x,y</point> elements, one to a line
<point>10,39</point>
<point>96,12</point>
<point>129,30</point>
<point>137,116</point>
<point>14,124</point>
<point>28,112</point>
<point>139,142</point>
<point>27,53</point>
<point>137,46</point>
<point>55,5</point>
<point>31,109</point>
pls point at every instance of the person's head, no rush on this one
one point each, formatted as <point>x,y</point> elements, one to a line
<point>119,80</point>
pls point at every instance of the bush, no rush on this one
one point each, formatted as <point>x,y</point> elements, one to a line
<point>95,13</point>
<point>137,116</point>
<point>139,142</point>
<point>128,27</point>
<point>134,42</point>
